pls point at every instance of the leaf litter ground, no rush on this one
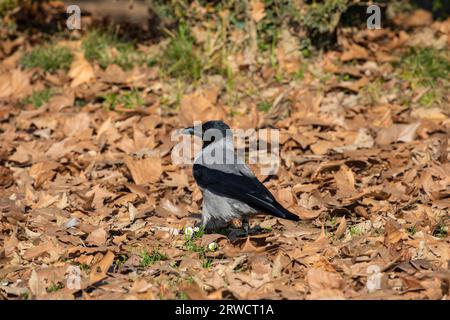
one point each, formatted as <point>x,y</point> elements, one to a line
<point>88,183</point>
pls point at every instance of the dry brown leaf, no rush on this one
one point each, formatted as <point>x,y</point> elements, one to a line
<point>258,12</point>
<point>434,114</point>
<point>354,52</point>
<point>288,52</point>
<point>305,214</point>
<point>97,237</point>
<point>194,292</point>
<point>11,243</point>
<point>199,106</point>
<point>168,208</point>
<point>355,86</point>
<point>144,171</point>
<point>15,84</point>
<point>320,279</point>
<point>345,182</point>
<point>6,177</point>
<point>114,74</point>
<point>248,246</point>
<point>341,228</point>
<point>322,147</point>
<point>285,197</point>
<point>177,179</point>
<point>80,71</point>
<point>99,270</point>
<point>43,171</point>
<point>397,132</point>
<point>419,18</point>
<point>60,101</point>
<point>48,247</point>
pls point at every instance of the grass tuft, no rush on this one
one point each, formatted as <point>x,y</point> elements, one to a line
<point>55,287</point>
<point>191,245</point>
<point>6,6</point>
<point>427,68</point>
<point>322,17</point>
<point>48,58</point>
<point>180,58</point>
<point>130,99</point>
<point>355,231</point>
<point>412,230</point>
<point>264,106</point>
<point>152,258</point>
<point>182,296</point>
<point>39,98</point>
<point>121,259</point>
<point>106,48</point>
<point>441,231</point>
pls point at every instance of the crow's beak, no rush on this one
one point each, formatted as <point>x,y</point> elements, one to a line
<point>189,131</point>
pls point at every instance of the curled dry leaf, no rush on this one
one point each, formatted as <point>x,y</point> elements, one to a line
<point>99,270</point>
<point>341,228</point>
<point>81,71</point>
<point>6,177</point>
<point>354,52</point>
<point>345,182</point>
<point>10,243</point>
<point>305,214</point>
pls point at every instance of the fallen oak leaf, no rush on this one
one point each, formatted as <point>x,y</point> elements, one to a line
<point>80,71</point>
<point>258,12</point>
<point>97,237</point>
<point>341,228</point>
<point>11,243</point>
<point>396,133</point>
<point>319,279</point>
<point>15,84</point>
<point>144,171</point>
<point>305,214</point>
<point>199,106</point>
<point>99,270</point>
<point>345,182</point>
<point>354,52</point>
<point>194,292</point>
<point>354,86</point>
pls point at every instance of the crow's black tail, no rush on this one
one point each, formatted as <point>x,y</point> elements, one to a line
<point>285,214</point>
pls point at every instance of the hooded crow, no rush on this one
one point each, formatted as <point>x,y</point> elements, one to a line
<point>229,187</point>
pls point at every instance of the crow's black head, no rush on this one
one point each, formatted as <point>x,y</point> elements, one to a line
<point>209,131</point>
<point>216,125</point>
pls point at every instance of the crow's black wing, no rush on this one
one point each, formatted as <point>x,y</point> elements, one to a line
<point>237,182</point>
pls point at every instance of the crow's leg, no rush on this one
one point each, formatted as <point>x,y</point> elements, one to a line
<point>245,225</point>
